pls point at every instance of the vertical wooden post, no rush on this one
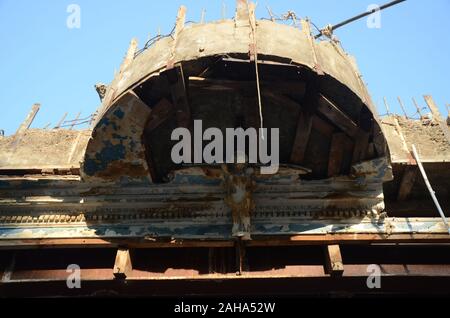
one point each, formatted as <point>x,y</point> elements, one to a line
<point>333,260</point>
<point>122,265</point>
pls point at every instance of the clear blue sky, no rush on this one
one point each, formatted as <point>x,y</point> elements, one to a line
<point>41,60</point>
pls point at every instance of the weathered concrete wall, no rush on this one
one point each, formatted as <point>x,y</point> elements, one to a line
<point>427,136</point>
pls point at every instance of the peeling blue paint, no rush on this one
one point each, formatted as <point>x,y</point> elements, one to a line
<point>119,113</point>
<point>107,155</point>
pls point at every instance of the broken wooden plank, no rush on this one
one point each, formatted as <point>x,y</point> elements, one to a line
<point>333,260</point>
<point>178,91</point>
<point>304,126</point>
<point>122,265</point>
<point>160,113</point>
<point>281,87</point>
<point>335,115</point>
<point>336,154</point>
<point>29,119</point>
<point>406,185</point>
<point>437,115</point>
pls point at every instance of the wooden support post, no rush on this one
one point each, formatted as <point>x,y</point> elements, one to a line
<point>361,147</point>
<point>178,91</point>
<point>7,274</point>
<point>301,138</point>
<point>407,183</point>
<point>437,115</point>
<point>336,116</point>
<point>333,260</point>
<point>29,119</point>
<point>123,265</point>
<point>336,154</point>
<point>240,256</point>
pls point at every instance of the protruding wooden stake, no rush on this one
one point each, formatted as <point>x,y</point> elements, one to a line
<point>402,106</point>
<point>123,265</point>
<point>202,18</point>
<point>130,55</point>
<point>61,121</point>
<point>29,119</point>
<point>417,107</point>
<point>388,112</point>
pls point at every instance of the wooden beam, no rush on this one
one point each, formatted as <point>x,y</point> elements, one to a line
<point>333,260</point>
<point>437,115</point>
<point>335,115</point>
<point>122,265</point>
<point>29,119</point>
<point>336,154</point>
<point>361,147</point>
<point>407,183</point>
<point>178,91</point>
<point>160,113</point>
<point>282,87</point>
<point>322,126</point>
<point>8,272</point>
<point>304,126</point>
